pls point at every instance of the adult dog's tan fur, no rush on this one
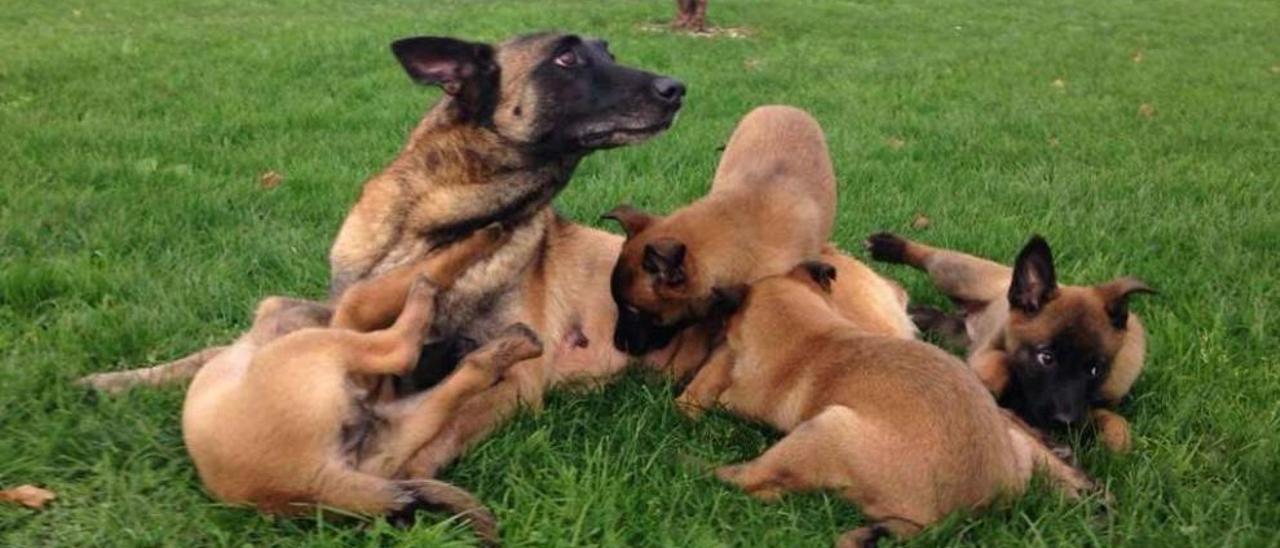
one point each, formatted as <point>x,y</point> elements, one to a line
<point>893,424</point>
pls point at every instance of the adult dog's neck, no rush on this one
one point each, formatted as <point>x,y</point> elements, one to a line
<point>493,178</point>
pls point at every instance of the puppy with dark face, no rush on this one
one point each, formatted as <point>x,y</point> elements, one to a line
<point>895,425</point>
<point>1055,354</point>
<point>771,204</point>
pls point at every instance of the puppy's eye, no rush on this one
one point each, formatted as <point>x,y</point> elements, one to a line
<point>1093,371</point>
<point>568,59</point>
<point>1045,357</point>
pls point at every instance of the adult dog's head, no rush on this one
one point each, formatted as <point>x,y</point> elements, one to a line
<point>1061,342</point>
<point>557,94</point>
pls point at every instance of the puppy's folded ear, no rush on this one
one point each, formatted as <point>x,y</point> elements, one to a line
<point>465,70</point>
<point>822,273</point>
<point>633,220</point>
<point>1116,294</point>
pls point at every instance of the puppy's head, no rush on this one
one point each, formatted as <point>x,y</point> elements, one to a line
<point>1061,341</point>
<point>655,284</point>
<point>557,93</point>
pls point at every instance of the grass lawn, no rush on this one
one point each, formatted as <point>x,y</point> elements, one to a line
<point>134,229</point>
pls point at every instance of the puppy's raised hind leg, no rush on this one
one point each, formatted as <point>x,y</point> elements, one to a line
<point>413,422</point>
<point>962,277</point>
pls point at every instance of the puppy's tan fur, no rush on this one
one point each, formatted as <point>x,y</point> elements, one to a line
<point>281,419</point>
<point>771,204</point>
<point>895,425</point>
<point>991,330</point>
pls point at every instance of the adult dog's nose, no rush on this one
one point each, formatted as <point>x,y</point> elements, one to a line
<point>668,89</point>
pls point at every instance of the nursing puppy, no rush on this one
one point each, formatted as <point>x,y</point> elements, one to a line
<point>1054,354</point>
<point>895,425</point>
<point>771,204</point>
<point>281,420</point>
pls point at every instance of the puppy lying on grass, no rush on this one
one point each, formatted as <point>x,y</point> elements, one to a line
<point>895,425</point>
<point>284,418</point>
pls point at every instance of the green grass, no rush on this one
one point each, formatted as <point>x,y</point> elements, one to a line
<point>133,230</point>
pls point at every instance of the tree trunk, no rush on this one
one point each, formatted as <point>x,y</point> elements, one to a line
<point>691,15</point>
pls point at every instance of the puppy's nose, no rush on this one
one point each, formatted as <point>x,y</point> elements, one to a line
<point>668,89</point>
<point>1064,418</point>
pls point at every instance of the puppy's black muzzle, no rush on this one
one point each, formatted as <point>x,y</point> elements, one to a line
<point>639,333</point>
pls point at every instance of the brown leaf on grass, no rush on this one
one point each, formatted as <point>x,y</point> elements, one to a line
<point>921,221</point>
<point>28,495</point>
<point>270,179</point>
<point>1138,56</point>
<point>1053,142</point>
<point>1275,69</point>
<point>1059,83</point>
<point>1147,110</point>
<point>895,142</point>
<point>751,64</point>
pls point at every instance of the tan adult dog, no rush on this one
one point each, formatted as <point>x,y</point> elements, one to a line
<point>515,120</point>
<point>895,425</point>
<point>771,204</point>
<point>1050,352</point>
<point>281,420</point>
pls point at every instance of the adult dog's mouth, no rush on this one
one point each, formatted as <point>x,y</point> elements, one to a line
<point>620,136</point>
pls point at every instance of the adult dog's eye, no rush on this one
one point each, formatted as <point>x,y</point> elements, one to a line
<point>1045,357</point>
<point>568,59</point>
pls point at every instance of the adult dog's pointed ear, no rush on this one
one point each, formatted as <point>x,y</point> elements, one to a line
<point>464,70</point>
<point>664,259</point>
<point>821,273</point>
<point>633,220</point>
<point>725,301</point>
<point>1115,294</point>
<point>1034,281</point>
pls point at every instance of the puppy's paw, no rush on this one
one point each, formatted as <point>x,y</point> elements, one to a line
<point>863,537</point>
<point>514,344</point>
<point>1114,431</point>
<point>689,408</point>
<point>887,247</point>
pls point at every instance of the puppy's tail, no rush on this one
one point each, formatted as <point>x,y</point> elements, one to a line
<point>435,495</point>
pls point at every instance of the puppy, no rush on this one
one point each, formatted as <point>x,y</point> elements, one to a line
<point>281,420</point>
<point>1054,354</point>
<point>895,425</point>
<point>772,204</point>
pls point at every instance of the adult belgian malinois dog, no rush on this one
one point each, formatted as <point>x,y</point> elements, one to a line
<point>1054,354</point>
<point>771,204</point>
<point>895,425</point>
<point>282,420</point>
<point>514,121</point>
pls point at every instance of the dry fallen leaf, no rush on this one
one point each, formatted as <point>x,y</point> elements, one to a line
<point>920,222</point>
<point>751,64</point>
<point>28,495</point>
<point>1053,142</point>
<point>895,143</point>
<point>1059,83</point>
<point>1275,69</point>
<point>1146,110</point>
<point>271,179</point>
<point>1138,56</point>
